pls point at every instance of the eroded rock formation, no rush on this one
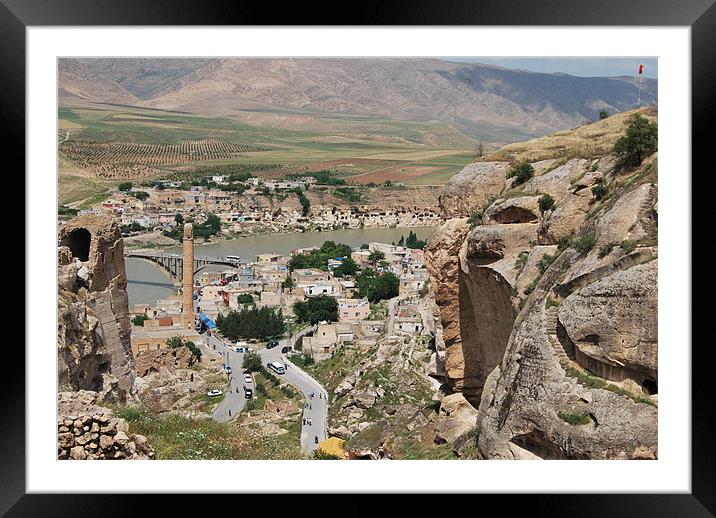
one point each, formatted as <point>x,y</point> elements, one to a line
<point>93,335</point>
<point>548,317</point>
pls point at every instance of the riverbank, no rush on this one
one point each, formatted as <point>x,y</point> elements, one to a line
<point>157,242</point>
<point>148,283</point>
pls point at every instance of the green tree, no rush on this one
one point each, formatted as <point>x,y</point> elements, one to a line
<point>521,172</point>
<point>138,320</point>
<point>413,241</point>
<point>347,267</point>
<point>639,141</point>
<point>377,286</point>
<point>375,256</point>
<point>316,309</point>
<point>125,186</point>
<point>546,202</point>
<point>179,218</point>
<point>252,362</point>
<point>245,298</point>
<point>252,322</point>
<point>319,258</point>
<point>600,190</point>
<point>603,114</point>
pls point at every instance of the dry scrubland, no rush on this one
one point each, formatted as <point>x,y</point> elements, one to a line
<point>588,141</point>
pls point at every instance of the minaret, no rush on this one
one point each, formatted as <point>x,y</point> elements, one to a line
<point>188,277</point>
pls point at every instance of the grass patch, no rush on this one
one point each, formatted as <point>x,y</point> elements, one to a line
<point>591,381</point>
<point>575,419</point>
<point>552,303</point>
<point>628,245</point>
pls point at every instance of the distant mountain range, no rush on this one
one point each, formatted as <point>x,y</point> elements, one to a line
<point>483,102</point>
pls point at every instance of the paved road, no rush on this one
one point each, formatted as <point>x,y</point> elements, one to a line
<point>315,411</point>
<point>234,400</point>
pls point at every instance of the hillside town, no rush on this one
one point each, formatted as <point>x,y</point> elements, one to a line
<point>269,281</point>
<point>244,204</point>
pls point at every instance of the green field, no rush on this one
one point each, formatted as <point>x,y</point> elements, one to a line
<point>421,153</point>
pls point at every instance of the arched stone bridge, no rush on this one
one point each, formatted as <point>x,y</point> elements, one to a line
<point>174,263</point>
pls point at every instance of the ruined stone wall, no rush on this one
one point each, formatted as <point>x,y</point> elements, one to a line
<point>94,350</point>
<point>88,431</point>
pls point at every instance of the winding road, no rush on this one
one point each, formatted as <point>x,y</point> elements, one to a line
<point>315,412</point>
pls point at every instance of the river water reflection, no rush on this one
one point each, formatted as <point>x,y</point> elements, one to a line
<point>147,283</point>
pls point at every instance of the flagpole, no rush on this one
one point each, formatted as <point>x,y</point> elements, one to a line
<point>638,99</point>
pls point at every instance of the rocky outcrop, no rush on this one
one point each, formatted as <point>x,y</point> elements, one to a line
<point>558,182</point>
<point>522,209</point>
<point>94,349</point>
<point>153,361</point>
<point>456,418</point>
<point>443,263</point>
<point>549,319</point>
<point>611,325</point>
<point>87,431</point>
<point>472,188</point>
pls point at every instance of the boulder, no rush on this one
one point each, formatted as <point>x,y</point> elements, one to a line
<point>612,324</point>
<point>455,418</point>
<point>471,189</point>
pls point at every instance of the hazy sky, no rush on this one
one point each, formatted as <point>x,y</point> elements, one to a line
<point>587,67</point>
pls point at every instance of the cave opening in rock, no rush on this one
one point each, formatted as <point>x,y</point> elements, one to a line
<point>78,242</point>
<point>515,215</point>
<point>650,386</point>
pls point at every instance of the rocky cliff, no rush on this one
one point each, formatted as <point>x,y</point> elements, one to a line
<point>93,334</point>
<point>548,312</point>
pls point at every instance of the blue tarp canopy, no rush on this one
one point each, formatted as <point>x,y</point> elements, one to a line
<point>207,321</point>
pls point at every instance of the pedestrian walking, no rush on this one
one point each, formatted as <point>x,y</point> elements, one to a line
<point>229,413</point>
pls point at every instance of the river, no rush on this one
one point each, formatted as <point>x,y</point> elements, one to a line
<point>148,283</point>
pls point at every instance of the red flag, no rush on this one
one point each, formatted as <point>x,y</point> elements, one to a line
<point>641,69</point>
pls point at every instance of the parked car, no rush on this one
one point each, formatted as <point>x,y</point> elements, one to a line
<point>248,393</point>
<point>286,349</point>
<point>271,344</point>
<point>214,392</point>
<point>227,369</point>
<point>248,379</point>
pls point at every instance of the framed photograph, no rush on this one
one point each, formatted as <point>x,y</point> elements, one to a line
<point>429,241</point>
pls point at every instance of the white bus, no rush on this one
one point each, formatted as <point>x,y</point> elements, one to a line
<point>277,367</point>
<point>233,258</point>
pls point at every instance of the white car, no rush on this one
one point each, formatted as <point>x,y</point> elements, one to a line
<point>248,379</point>
<point>214,392</point>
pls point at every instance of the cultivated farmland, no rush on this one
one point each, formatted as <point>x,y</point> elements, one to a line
<point>120,160</point>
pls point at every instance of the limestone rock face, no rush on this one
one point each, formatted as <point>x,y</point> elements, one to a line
<point>523,399</point>
<point>569,216</point>
<point>443,262</point>
<point>558,181</point>
<point>522,209</point>
<point>471,189</point>
<point>456,418</point>
<point>555,345</point>
<point>629,218</point>
<point>612,324</point>
<point>94,327</point>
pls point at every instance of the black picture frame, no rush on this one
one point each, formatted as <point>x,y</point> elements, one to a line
<point>700,15</point>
